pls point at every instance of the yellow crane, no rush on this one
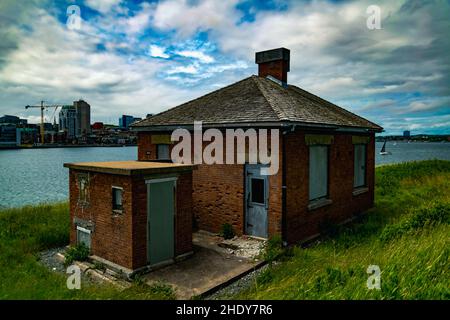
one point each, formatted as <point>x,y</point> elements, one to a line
<point>43,107</point>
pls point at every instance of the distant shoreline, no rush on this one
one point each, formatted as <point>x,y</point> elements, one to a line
<point>70,146</point>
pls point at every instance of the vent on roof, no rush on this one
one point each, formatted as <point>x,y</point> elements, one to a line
<point>275,63</point>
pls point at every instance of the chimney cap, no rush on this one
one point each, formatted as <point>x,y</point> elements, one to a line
<point>273,55</point>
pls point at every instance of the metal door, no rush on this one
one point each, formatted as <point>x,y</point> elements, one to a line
<point>256,187</point>
<point>160,220</point>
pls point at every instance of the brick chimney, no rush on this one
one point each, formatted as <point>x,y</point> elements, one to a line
<point>273,63</point>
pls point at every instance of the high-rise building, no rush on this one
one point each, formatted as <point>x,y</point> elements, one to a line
<point>406,134</point>
<point>68,121</point>
<point>83,111</point>
<point>125,121</point>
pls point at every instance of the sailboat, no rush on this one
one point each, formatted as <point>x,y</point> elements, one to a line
<point>383,151</point>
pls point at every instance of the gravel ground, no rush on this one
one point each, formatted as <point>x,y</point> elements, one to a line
<point>244,247</point>
<point>49,259</point>
<point>230,291</point>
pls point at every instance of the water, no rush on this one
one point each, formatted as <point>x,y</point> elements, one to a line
<point>403,151</point>
<point>30,176</point>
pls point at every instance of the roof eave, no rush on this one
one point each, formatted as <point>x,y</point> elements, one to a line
<point>162,128</point>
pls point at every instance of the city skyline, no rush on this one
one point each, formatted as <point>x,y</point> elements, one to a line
<point>139,57</point>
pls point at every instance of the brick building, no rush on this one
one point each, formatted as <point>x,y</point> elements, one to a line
<point>326,153</point>
<point>132,217</point>
<point>131,214</point>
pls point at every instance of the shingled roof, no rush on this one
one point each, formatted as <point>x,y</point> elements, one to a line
<point>257,100</point>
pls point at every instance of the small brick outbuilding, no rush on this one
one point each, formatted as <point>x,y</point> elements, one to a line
<point>132,214</point>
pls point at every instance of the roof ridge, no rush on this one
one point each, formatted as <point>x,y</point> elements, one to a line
<point>278,113</point>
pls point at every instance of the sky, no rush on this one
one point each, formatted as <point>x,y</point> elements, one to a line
<point>140,57</point>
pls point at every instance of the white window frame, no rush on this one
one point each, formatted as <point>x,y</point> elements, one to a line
<point>83,178</point>
<point>79,228</point>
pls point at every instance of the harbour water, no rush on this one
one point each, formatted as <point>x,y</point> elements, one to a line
<point>31,176</point>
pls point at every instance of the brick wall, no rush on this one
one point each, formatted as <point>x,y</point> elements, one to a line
<point>218,190</point>
<point>303,223</point>
<point>112,235</point>
<point>122,238</point>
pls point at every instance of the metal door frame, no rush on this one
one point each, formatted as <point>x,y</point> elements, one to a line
<point>148,183</point>
<point>248,194</point>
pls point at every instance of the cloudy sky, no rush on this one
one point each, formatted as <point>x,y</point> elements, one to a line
<point>139,57</point>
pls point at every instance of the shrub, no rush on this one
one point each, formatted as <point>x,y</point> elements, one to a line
<point>227,231</point>
<point>266,276</point>
<point>80,252</point>
<point>163,289</point>
<point>273,249</point>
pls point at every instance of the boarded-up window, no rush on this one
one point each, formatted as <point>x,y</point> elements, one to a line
<point>163,152</point>
<point>84,236</point>
<point>360,166</point>
<point>83,184</point>
<point>318,172</point>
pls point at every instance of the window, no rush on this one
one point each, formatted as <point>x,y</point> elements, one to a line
<point>163,152</point>
<point>359,179</point>
<point>84,236</point>
<point>258,192</point>
<point>117,198</point>
<point>318,172</point>
<point>83,187</point>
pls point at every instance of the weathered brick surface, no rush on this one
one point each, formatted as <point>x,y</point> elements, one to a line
<point>277,69</point>
<point>122,238</point>
<point>302,223</point>
<point>219,195</point>
<point>112,234</point>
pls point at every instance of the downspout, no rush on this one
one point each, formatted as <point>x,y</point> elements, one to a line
<point>284,187</point>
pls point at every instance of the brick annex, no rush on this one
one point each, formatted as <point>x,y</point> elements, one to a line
<point>140,214</point>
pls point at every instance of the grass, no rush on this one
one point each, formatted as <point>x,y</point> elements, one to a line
<point>407,235</point>
<point>24,232</point>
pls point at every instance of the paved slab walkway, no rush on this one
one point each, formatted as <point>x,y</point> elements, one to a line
<point>210,267</point>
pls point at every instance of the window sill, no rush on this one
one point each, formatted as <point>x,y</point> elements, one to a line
<point>316,204</point>
<point>360,190</point>
<point>117,212</point>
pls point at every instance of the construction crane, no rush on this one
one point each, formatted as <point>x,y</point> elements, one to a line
<point>43,107</point>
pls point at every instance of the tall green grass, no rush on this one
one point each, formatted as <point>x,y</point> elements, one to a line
<point>24,232</point>
<point>407,235</point>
